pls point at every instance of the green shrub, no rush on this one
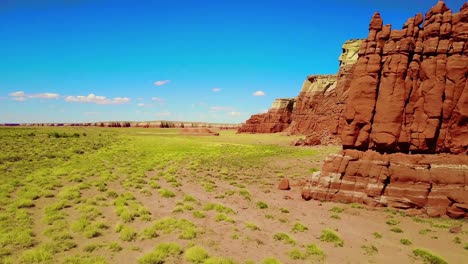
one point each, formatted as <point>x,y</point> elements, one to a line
<point>271,261</point>
<point>330,236</point>
<point>196,254</point>
<point>166,193</point>
<point>218,260</point>
<point>337,209</point>
<point>396,230</point>
<point>428,257</point>
<point>369,250</point>
<point>127,234</point>
<point>314,250</point>
<point>406,242</point>
<point>284,237</point>
<point>262,205</point>
<point>377,235</point>
<point>392,222</point>
<point>297,254</point>
<point>298,227</point>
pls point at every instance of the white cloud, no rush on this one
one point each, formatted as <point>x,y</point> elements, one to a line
<point>216,90</point>
<point>162,82</point>
<point>234,113</point>
<point>221,108</point>
<point>44,96</point>
<point>21,96</point>
<point>18,94</point>
<point>140,104</point>
<point>259,93</point>
<point>157,99</point>
<point>97,99</point>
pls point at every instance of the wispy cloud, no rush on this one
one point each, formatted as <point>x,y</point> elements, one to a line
<point>259,93</point>
<point>96,99</point>
<point>221,108</point>
<point>22,96</point>
<point>161,82</point>
<point>157,99</point>
<point>232,113</point>
<point>216,90</point>
<point>140,104</point>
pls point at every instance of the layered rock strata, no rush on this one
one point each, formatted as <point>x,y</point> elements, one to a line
<point>405,133</point>
<point>277,119</point>
<point>318,106</point>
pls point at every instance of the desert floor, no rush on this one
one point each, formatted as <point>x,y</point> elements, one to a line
<point>130,195</point>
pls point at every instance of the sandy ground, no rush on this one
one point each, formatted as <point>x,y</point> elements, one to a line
<point>285,208</point>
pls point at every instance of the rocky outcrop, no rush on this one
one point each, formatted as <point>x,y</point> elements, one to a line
<point>409,90</point>
<point>318,106</point>
<point>277,119</point>
<point>405,124</point>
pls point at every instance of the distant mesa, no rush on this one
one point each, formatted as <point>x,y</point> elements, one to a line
<point>127,124</point>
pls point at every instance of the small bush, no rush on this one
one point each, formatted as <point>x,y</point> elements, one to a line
<point>298,227</point>
<point>396,230</point>
<point>297,254</point>
<point>218,260</point>
<point>337,210</point>
<point>198,214</point>
<point>166,193</point>
<point>392,222</point>
<point>329,235</point>
<point>271,261</point>
<point>284,237</point>
<point>196,254</point>
<point>127,233</point>
<point>252,226</point>
<point>428,257</point>
<point>369,250</point>
<point>262,205</point>
<point>314,250</point>
<point>406,242</point>
<point>377,235</point>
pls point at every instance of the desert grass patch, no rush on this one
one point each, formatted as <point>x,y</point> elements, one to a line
<point>185,228</point>
<point>262,205</point>
<point>196,254</point>
<point>369,250</point>
<point>161,253</point>
<point>299,227</point>
<point>428,257</point>
<point>331,236</point>
<point>220,208</point>
<point>406,242</point>
<point>285,238</point>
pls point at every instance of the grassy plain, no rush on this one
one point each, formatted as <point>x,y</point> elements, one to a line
<point>103,195</point>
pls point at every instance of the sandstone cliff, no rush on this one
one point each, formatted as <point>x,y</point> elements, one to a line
<point>405,133</point>
<point>317,108</point>
<point>277,118</point>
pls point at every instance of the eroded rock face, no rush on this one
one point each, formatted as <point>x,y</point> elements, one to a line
<point>277,118</point>
<point>409,89</point>
<point>405,124</point>
<point>436,183</point>
<point>318,106</point>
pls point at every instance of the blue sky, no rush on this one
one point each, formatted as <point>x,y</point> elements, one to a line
<point>190,60</point>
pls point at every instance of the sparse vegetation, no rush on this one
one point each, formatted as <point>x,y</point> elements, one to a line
<point>428,257</point>
<point>284,238</point>
<point>406,242</point>
<point>331,236</point>
<point>94,198</point>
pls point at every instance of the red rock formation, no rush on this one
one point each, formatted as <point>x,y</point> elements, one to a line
<point>277,119</point>
<point>409,87</point>
<point>409,97</point>
<point>318,107</point>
